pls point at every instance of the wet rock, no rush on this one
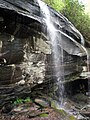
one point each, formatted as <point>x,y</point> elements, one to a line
<point>85,111</point>
<point>9,74</point>
<point>7,108</point>
<point>22,82</point>
<point>43,46</point>
<point>26,112</point>
<point>1,19</point>
<point>20,109</point>
<point>81,98</point>
<point>25,45</point>
<point>42,102</point>
<point>34,68</point>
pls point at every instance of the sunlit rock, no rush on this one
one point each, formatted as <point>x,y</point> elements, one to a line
<point>22,82</point>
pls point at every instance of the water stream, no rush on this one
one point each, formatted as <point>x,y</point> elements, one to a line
<point>55,38</point>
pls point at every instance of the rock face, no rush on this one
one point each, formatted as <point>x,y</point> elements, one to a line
<point>25,50</point>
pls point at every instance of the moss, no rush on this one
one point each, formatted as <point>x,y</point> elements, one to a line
<point>62,112</point>
<point>53,105</point>
<point>43,115</point>
<point>72,118</point>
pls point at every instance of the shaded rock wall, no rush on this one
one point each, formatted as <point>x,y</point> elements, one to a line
<point>26,52</point>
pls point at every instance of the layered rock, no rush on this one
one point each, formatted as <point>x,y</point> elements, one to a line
<point>26,52</point>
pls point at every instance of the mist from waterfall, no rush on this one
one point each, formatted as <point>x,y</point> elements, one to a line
<point>56,41</point>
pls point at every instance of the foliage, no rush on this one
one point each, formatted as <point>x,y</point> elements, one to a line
<point>20,100</point>
<point>56,4</point>
<point>75,12</point>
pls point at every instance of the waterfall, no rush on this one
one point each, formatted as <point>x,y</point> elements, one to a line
<point>55,39</point>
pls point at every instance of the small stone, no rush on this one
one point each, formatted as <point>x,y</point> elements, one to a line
<point>39,82</point>
<point>12,117</point>
<point>22,82</point>
<point>18,109</point>
<point>41,102</point>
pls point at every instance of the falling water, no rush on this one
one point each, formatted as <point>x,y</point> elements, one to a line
<point>55,39</point>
